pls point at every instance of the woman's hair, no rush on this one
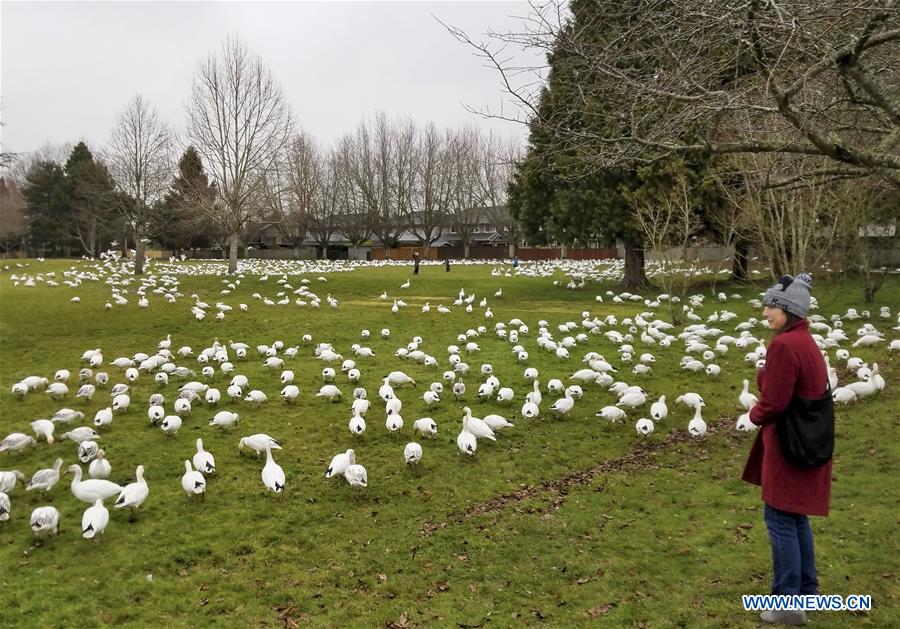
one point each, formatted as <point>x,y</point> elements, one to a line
<point>790,321</point>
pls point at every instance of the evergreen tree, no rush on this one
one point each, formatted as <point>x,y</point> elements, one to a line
<point>558,191</point>
<point>90,197</point>
<point>46,209</point>
<point>179,223</point>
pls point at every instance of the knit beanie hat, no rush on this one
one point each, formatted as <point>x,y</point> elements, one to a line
<point>791,294</point>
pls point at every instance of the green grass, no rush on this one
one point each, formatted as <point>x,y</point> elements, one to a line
<point>562,522</point>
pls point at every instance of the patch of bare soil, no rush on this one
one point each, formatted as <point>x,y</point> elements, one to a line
<point>641,458</point>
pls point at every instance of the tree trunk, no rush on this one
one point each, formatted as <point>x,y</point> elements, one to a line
<point>427,255</point>
<point>125,243</point>
<point>232,252</point>
<point>634,267</point>
<point>466,249</point>
<point>563,251</point>
<point>512,250</point>
<point>387,252</point>
<point>139,252</point>
<point>740,260</point>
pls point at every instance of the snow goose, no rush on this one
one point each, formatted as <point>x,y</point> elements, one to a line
<point>171,424</point>
<point>94,520</point>
<point>644,427</point>
<point>563,405</point>
<point>8,480</point>
<point>744,424</point>
<point>256,397</point>
<point>412,453</point>
<point>57,390</point>
<point>100,467</point>
<point>224,419</point>
<point>477,426</point>
<point>466,441</point>
<point>339,463</point>
<point>272,473</point>
<point>530,410</point>
<point>203,460</point>
<point>497,422</point>
<point>393,405</point>
<point>192,481</point>
<point>357,424</point>
<point>356,475</point>
<point>134,494</point>
<point>45,521</point>
<point>258,443</point>
<point>331,392</point>
<point>155,414</point>
<point>4,507</point>
<point>393,422</point>
<point>16,441</point>
<point>44,480</point>
<point>43,428</point>
<point>121,402</point>
<point>612,413</point>
<point>82,433</point>
<point>103,417</point>
<point>90,490</point>
<point>426,427</point>
<point>690,399</point>
<point>290,393</point>
<point>659,410</point>
<point>747,399</point>
<point>66,416</point>
<point>535,396</point>
<point>697,427</point>
<point>87,450</point>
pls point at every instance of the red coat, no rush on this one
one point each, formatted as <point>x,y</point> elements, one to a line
<point>794,365</point>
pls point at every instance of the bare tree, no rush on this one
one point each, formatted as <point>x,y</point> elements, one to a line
<point>640,80</point>
<point>498,160</point>
<point>139,156</point>
<point>354,219</point>
<point>466,199</point>
<point>240,121</point>
<point>381,173</point>
<point>794,227</point>
<point>427,215</point>
<point>293,188</point>
<point>326,206</point>
<point>669,224</point>
<point>868,222</point>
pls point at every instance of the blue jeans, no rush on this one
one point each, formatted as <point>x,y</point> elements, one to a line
<point>793,555</point>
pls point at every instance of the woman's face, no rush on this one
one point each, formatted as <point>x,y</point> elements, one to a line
<point>775,317</point>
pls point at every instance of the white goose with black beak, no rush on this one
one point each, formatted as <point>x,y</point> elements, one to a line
<point>272,473</point>
<point>94,520</point>
<point>192,481</point>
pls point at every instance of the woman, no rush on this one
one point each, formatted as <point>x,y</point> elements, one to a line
<point>794,366</point>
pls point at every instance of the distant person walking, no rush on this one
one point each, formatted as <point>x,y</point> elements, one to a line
<point>447,265</point>
<point>415,264</point>
<point>794,369</point>
<point>515,262</point>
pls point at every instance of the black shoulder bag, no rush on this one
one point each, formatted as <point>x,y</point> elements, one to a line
<point>806,430</point>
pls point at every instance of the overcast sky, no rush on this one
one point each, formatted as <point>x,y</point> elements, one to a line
<point>67,69</point>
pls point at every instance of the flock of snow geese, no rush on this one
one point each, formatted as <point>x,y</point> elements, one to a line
<point>635,338</point>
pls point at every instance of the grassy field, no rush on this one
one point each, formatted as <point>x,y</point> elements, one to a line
<point>561,522</point>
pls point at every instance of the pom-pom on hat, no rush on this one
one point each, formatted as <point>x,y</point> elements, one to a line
<point>791,294</point>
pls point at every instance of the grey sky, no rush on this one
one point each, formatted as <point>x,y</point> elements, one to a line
<point>67,69</point>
